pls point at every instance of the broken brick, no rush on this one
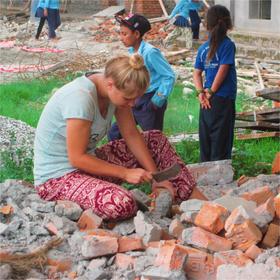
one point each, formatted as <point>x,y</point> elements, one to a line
<point>124,261</point>
<point>253,251</point>
<point>203,239</point>
<point>130,243</point>
<point>96,246</point>
<point>235,257</point>
<point>171,257</point>
<point>89,220</point>
<point>101,232</point>
<point>276,164</point>
<point>260,195</point>
<point>176,228</point>
<point>59,264</point>
<point>266,210</point>
<point>277,205</point>
<point>272,235</point>
<point>199,265</point>
<point>243,235</point>
<point>6,210</point>
<point>51,228</point>
<point>211,217</point>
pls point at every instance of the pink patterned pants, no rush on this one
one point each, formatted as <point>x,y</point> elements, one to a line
<point>104,194</point>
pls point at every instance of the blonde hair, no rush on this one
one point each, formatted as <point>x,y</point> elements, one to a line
<point>128,73</point>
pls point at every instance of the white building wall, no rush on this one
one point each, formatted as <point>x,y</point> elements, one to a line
<point>242,21</point>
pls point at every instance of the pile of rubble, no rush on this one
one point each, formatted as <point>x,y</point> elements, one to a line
<point>232,236</point>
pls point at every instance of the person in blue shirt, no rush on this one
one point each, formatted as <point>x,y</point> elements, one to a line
<point>180,18</point>
<point>48,10</point>
<point>150,108</point>
<point>216,58</point>
<point>194,7</point>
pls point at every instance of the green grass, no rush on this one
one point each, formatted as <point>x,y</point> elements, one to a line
<point>25,101</point>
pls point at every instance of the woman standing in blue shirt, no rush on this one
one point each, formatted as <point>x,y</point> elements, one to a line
<point>217,97</point>
<point>194,7</point>
<point>150,108</point>
<point>48,10</point>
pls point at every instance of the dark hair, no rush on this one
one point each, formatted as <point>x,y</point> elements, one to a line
<point>218,22</point>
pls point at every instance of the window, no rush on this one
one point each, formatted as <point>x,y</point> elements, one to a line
<point>260,9</point>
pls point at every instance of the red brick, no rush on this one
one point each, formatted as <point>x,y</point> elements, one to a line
<point>243,235</point>
<point>98,246</point>
<point>199,265</point>
<point>72,275</point>
<point>89,220</point>
<point>260,195</point>
<point>59,264</point>
<point>272,236</point>
<point>157,244</point>
<point>276,164</point>
<point>124,261</point>
<point>207,240</point>
<point>51,228</point>
<point>277,205</point>
<point>127,243</point>
<point>102,232</point>
<point>235,257</point>
<point>176,228</point>
<point>253,251</point>
<point>211,217</point>
<point>171,257</point>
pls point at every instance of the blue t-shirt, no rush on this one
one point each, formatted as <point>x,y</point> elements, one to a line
<point>162,77</point>
<point>224,55</point>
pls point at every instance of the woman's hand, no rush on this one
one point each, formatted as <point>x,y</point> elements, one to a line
<point>157,187</point>
<point>204,101</point>
<point>137,176</point>
<point>45,12</point>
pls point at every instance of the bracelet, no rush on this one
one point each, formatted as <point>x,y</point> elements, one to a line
<point>198,91</point>
<point>211,91</point>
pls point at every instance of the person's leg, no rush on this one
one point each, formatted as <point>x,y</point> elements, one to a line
<point>107,200</point>
<point>195,23</point>
<point>221,132</point>
<point>204,138</point>
<point>53,22</point>
<point>163,154</point>
<point>40,27</point>
<point>147,115</point>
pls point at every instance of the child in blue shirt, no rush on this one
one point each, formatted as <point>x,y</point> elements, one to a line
<point>150,108</point>
<point>194,7</point>
<point>48,10</point>
<point>180,18</point>
<point>216,58</point>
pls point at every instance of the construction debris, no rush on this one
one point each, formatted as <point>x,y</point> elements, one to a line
<point>148,246</point>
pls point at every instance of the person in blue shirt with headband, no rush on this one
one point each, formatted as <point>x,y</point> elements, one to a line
<point>48,10</point>
<point>150,108</point>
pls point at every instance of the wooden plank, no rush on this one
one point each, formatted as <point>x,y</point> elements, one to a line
<point>258,125</point>
<point>109,12</point>
<point>269,93</point>
<point>240,136</point>
<point>163,8</point>
<point>259,75</point>
<point>270,115</point>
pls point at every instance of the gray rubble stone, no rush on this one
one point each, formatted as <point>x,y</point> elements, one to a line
<point>212,172</point>
<point>73,213</point>
<point>252,271</point>
<point>43,207</point>
<point>5,272</point>
<point>191,205</point>
<point>146,228</point>
<point>231,202</point>
<point>163,204</point>
<point>97,263</point>
<point>124,227</point>
<point>159,273</point>
<point>143,262</point>
<point>3,228</point>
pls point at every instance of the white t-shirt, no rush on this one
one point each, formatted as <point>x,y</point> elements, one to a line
<point>77,99</point>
